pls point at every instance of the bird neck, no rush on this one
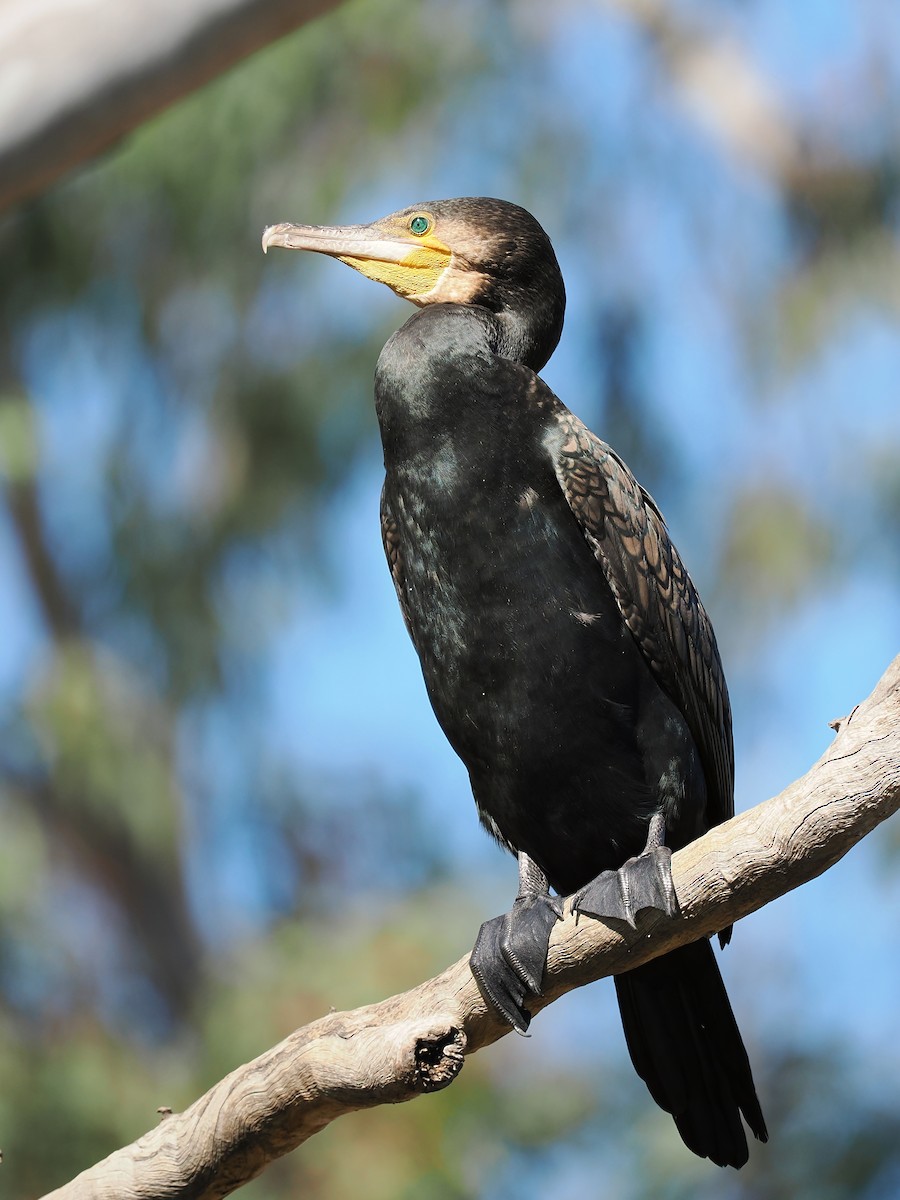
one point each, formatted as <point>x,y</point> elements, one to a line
<point>445,373</point>
<point>528,321</point>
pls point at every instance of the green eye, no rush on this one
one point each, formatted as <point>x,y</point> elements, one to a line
<point>419,225</point>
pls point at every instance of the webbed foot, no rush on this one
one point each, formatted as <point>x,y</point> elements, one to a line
<point>642,882</point>
<point>510,954</point>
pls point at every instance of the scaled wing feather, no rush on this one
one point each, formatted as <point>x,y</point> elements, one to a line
<point>654,592</point>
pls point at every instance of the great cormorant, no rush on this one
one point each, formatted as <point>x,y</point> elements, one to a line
<point>566,653</point>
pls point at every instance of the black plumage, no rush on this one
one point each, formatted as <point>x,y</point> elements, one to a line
<point>566,653</point>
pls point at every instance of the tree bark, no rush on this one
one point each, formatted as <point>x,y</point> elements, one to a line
<point>78,77</point>
<point>415,1043</point>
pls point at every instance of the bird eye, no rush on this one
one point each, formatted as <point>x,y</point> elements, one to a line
<point>419,225</point>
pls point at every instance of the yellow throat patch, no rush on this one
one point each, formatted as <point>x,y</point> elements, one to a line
<point>415,275</point>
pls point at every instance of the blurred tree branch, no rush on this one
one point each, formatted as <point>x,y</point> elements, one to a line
<point>148,889</point>
<point>416,1042</point>
<point>720,85</point>
<point>726,92</point>
<point>79,77</point>
<point>56,606</point>
<point>146,884</point>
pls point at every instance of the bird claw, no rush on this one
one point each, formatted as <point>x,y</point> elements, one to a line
<point>510,954</point>
<point>642,882</point>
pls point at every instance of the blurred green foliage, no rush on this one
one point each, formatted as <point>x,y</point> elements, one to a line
<point>177,419</point>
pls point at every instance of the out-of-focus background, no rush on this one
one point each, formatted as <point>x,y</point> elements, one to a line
<point>225,805</point>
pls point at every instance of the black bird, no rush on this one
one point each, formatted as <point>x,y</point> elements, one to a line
<point>566,653</point>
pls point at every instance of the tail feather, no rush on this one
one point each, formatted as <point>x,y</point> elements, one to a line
<point>686,1046</point>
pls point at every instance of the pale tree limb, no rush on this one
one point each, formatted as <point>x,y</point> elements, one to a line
<point>80,74</point>
<point>720,85</point>
<point>731,96</point>
<point>414,1043</point>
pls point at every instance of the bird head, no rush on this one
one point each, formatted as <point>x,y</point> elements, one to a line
<point>474,250</point>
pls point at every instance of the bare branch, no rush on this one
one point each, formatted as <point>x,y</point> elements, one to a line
<point>720,86</point>
<point>59,612</point>
<point>147,888</point>
<point>77,77</point>
<point>743,109</point>
<point>414,1043</point>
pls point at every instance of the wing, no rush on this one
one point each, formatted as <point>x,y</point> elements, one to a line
<point>654,592</point>
<point>390,536</point>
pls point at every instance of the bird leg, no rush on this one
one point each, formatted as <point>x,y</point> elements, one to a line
<point>642,882</point>
<point>510,951</point>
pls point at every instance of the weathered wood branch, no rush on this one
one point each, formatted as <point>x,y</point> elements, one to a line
<point>78,77</point>
<point>414,1043</point>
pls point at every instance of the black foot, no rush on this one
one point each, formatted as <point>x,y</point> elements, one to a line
<point>642,882</point>
<point>510,955</point>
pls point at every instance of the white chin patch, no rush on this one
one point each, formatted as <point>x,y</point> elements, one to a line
<point>454,286</point>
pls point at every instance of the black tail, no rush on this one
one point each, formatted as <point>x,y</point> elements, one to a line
<point>686,1046</point>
